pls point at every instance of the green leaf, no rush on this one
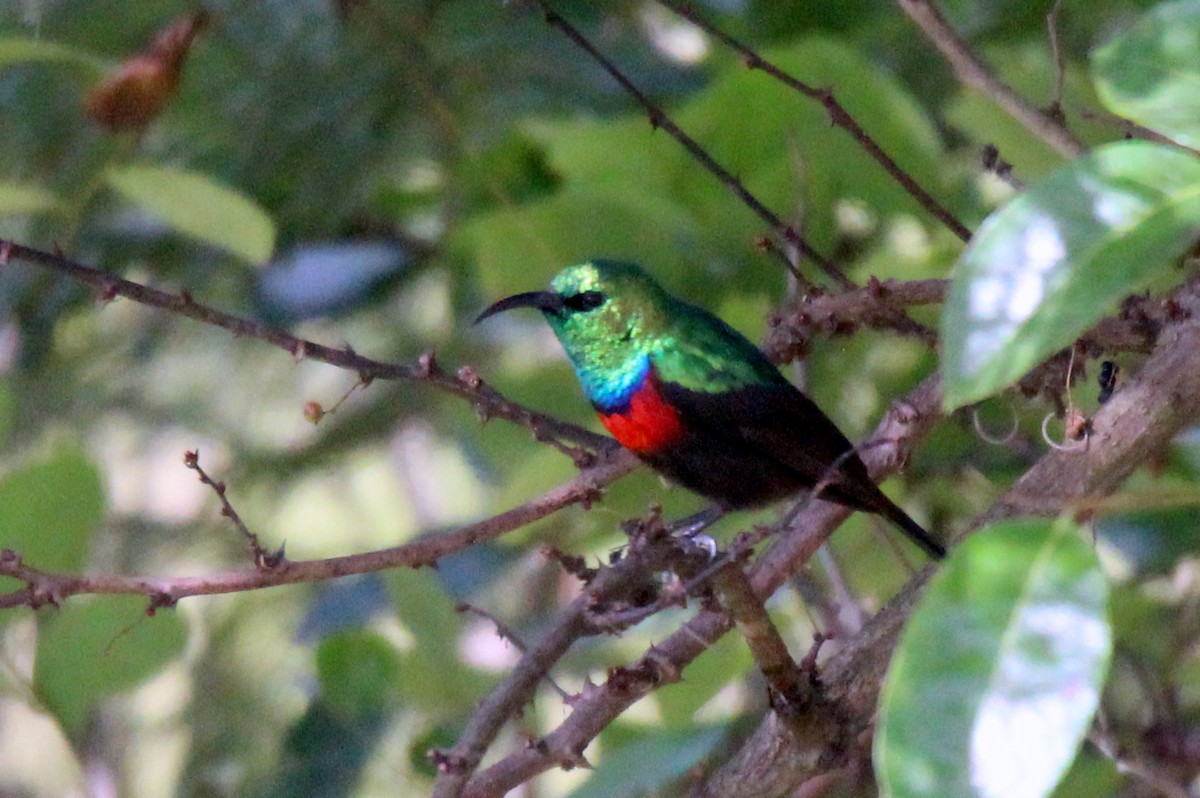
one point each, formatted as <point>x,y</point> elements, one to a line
<point>1151,73</point>
<point>1059,257</point>
<point>19,50</point>
<point>998,674</point>
<point>432,674</point>
<point>726,661</point>
<point>522,248</point>
<point>648,763</point>
<point>783,148</point>
<point>95,648</point>
<point>358,672</point>
<point>199,206</point>
<point>22,199</point>
<point>325,752</point>
<point>49,509</point>
<point>1027,66</point>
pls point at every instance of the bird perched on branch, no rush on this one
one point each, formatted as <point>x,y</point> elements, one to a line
<point>695,400</point>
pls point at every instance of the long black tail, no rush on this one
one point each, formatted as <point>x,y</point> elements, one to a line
<point>916,533</point>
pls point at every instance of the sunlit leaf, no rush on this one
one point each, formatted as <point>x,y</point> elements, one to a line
<point>199,206</point>
<point>1000,668</point>
<point>19,50</point>
<point>95,648</point>
<point>18,199</point>
<point>1150,73</point>
<point>1059,257</point>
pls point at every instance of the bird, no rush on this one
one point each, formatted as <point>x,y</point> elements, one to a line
<point>697,401</point>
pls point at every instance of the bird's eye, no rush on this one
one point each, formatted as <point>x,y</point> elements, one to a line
<point>584,301</point>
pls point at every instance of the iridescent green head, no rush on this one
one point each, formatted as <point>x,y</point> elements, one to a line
<point>604,312</point>
<point>609,317</point>
<point>616,323</point>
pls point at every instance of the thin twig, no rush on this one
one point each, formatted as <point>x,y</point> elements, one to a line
<point>51,588</point>
<point>1144,771</point>
<point>488,402</point>
<point>974,73</point>
<point>263,560</point>
<point>659,119</point>
<point>506,633</point>
<point>1056,54</point>
<point>838,115</point>
<point>609,584</point>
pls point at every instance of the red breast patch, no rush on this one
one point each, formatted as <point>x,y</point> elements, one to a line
<point>648,424</point>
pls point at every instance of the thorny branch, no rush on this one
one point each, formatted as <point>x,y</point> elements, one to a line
<point>488,402</point>
<point>49,588</point>
<point>838,115</point>
<point>659,119</point>
<point>904,426</point>
<point>973,72</point>
<point>851,680</point>
<point>263,560</point>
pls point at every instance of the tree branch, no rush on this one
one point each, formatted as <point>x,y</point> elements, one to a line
<point>838,115</point>
<point>974,73</point>
<point>659,119</point>
<point>1134,426</point>
<point>904,425</point>
<point>49,588</point>
<point>488,402</point>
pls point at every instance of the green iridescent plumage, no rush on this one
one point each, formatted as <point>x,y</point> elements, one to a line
<point>697,401</point>
<point>686,344</point>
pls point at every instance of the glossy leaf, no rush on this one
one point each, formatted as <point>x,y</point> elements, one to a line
<point>199,206</point>
<point>998,674</point>
<point>92,649</point>
<point>1150,73</point>
<point>1059,257</point>
<point>18,199</point>
<point>49,509</point>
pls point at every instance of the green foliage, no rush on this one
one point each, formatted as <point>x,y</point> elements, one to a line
<point>1059,257</point>
<point>487,152</point>
<point>649,761</point>
<point>1149,73</point>
<point>358,673</point>
<point>49,509</point>
<point>96,648</point>
<point>19,199</point>
<point>17,50</point>
<point>199,206</point>
<point>999,670</point>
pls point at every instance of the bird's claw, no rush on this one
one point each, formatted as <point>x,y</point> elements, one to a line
<point>701,542</point>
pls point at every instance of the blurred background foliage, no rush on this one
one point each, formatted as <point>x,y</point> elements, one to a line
<point>379,172</point>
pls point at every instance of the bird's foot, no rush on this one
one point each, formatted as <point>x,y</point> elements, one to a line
<point>689,529</point>
<point>704,542</point>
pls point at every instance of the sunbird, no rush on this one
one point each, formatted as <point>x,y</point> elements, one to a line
<point>697,401</point>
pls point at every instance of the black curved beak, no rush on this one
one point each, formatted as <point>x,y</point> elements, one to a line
<point>546,301</point>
